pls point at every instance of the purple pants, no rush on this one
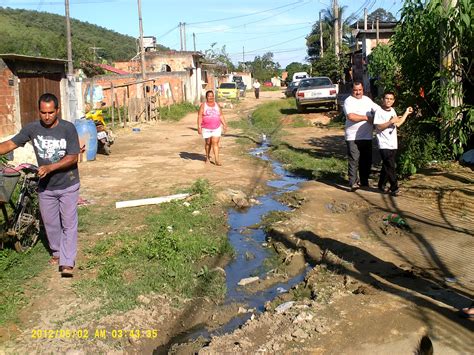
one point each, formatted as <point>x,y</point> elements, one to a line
<point>59,213</point>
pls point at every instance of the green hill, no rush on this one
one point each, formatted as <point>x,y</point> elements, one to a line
<point>43,34</point>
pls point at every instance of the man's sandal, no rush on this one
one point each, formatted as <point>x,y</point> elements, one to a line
<point>54,260</point>
<point>67,271</point>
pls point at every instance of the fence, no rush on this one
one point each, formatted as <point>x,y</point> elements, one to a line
<point>132,99</point>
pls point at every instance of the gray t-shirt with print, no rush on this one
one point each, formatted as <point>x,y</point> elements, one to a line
<point>51,145</point>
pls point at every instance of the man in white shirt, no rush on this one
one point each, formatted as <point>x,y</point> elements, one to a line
<point>256,86</point>
<point>359,110</point>
<point>386,122</point>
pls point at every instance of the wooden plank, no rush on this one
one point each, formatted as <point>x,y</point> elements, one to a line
<point>150,201</point>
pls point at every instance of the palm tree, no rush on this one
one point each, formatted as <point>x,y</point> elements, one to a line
<point>345,32</point>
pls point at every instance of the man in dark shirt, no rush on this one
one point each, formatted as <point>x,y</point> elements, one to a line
<point>56,146</point>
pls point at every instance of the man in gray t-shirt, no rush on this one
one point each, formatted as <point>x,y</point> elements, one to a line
<point>56,146</point>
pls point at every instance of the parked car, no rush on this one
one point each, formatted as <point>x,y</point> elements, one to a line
<point>228,91</point>
<point>267,83</point>
<point>317,91</point>
<point>291,89</point>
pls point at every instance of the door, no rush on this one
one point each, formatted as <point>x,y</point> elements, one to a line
<point>31,87</point>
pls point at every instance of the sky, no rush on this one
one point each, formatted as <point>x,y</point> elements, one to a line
<point>247,28</point>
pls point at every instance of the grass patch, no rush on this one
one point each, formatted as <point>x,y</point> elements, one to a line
<point>16,271</point>
<point>267,117</point>
<point>162,257</point>
<point>177,111</point>
<point>299,121</point>
<point>310,166</point>
<point>270,88</point>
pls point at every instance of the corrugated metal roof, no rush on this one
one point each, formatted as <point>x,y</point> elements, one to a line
<point>28,58</point>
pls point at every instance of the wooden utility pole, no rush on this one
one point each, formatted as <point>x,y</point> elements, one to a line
<point>142,49</point>
<point>194,41</point>
<point>71,92</point>
<point>377,33</point>
<point>321,44</point>
<point>336,27</point>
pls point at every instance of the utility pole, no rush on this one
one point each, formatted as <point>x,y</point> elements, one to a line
<point>321,51</point>
<point>194,41</point>
<point>336,27</point>
<point>184,35</point>
<point>142,49</point>
<point>71,92</point>
<point>181,35</point>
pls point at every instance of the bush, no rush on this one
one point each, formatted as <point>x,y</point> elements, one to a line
<point>419,145</point>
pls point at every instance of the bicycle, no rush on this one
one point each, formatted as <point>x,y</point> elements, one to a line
<point>22,225</point>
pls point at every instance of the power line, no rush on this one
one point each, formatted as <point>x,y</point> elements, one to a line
<point>240,16</point>
<point>266,18</point>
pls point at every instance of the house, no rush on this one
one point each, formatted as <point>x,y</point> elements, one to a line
<point>171,61</point>
<point>23,79</point>
<point>366,40</point>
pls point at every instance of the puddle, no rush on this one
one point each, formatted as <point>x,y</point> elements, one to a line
<point>244,240</point>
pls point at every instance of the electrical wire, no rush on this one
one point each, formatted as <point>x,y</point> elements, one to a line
<point>240,16</point>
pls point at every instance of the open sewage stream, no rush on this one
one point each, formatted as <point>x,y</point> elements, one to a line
<point>246,242</point>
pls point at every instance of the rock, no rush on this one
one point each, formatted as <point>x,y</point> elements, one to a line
<point>196,213</point>
<point>249,256</point>
<point>254,201</point>
<point>303,316</point>
<point>248,280</point>
<point>284,307</point>
<point>242,310</point>
<point>300,334</point>
<point>240,202</point>
<point>143,299</point>
<point>186,203</point>
<point>219,270</point>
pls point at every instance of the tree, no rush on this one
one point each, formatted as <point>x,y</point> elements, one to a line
<point>263,67</point>
<point>329,66</point>
<point>219,56</point>
<point>382,14</point>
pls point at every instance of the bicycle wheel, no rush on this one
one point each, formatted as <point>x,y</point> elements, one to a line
<point>27,226</point>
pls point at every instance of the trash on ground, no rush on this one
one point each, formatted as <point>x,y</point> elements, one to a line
<point>150,201</point>
<point>248,280</point>
<point>281,290</point>
<point>355,235</point>
<point>83,202</point>
<point>450,279</point>
<point>396,220</point>
<point>284,307</point>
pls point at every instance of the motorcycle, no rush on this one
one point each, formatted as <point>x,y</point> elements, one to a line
<point>105,137</point>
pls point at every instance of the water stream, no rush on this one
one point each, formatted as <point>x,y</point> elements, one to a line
<point>252,241</point>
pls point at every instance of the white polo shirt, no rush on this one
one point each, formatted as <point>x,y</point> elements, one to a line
<point>359,130</point>
<point>388,137</point>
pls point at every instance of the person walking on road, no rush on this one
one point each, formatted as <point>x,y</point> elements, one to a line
<point>56,146</point>
<point>210,124</point>
<point>386,122</point>
<point>256,87</point>
<point>359,110</point>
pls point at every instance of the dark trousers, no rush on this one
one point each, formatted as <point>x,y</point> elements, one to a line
<point>359,154</point>
<point>388,171</point>
<point>257,93</point>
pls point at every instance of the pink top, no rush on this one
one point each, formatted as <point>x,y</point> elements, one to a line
<point>211,116</point>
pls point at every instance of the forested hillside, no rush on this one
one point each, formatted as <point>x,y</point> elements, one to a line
<point>43,34</point>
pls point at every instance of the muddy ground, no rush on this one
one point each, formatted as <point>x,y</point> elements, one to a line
<point>373,288</point>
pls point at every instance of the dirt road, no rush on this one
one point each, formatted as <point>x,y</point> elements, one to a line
<point>378,287</point>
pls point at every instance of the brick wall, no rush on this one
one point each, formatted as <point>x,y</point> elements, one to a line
<point>168,87</point>
<point>7,102</point>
